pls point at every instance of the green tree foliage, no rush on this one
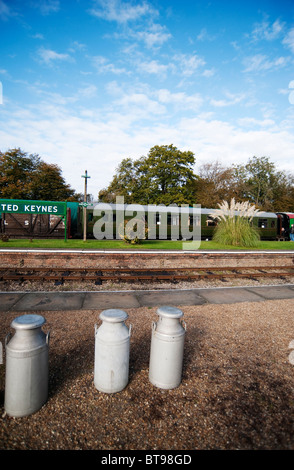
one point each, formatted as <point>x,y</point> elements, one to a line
<point>257,181</point>
<point>24,176</point>
<point>214,184</point>
<point>264,186</point>
<point>123,183</point>
<point>165,176</point>
<point>260,176</point>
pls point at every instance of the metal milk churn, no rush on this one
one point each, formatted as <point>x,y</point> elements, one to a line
<point>27,370</point>
<point>167,348</point>
<point>112,350</point>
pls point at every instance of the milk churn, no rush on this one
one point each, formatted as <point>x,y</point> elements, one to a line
<point>167,348</point>
<point>26,377</point>
<point>112,350</point>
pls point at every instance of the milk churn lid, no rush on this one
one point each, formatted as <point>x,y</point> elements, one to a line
<point>28,322</point>
<point>113,315</point>
<point>169,312</point>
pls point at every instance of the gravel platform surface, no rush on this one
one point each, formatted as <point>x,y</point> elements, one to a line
<point>237,389</point>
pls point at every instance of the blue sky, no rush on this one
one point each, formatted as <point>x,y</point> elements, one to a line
<point>86,83</point>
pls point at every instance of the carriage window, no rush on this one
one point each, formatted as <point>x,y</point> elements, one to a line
<point>175,220</point>
<point>195,220</point>
<point>262,223</point>
<point>210,222</point>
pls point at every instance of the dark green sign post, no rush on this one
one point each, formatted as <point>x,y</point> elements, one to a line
<point>20,206</point>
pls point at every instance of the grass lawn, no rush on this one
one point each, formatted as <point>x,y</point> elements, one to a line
<point>145,245</point>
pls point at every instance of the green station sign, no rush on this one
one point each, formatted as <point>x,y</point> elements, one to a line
<point>20,206</point>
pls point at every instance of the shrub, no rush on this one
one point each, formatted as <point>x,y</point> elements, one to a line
<point>127,233</point>
<point>235,224</point>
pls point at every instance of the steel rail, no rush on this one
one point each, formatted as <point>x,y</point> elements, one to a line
<point>140,274</point>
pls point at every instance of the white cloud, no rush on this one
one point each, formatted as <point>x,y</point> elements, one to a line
<point>180,100</point>
<point>98,140</point>
<point>259,63</point>
<point>38,36</point>
<point>232,99</point>
<point>87,92</point>
<point>265,30</point>
<point>216,140</point>
<point>48,6</point>
<point>5,11</point>
<point>205,36</point>
<point>289,40</point>
<point>153,68</point>
<point>129,15</point>
<point>208,73</point>
<point>121,12</point>
<point>155,36</point>
<point>255,123</point>
<point>102,65</point>
<point>77,46</point>
<point>188,63</point>
<point>48,56</point>
<point>138,106</point>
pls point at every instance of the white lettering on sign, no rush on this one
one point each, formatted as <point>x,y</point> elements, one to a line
<point>35,207</point>
<point>38,209</point>
<point>9,207</point>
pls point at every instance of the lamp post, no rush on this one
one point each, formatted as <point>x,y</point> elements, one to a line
<point>85,204</point>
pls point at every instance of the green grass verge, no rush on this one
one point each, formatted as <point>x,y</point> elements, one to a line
<point>145,245</point>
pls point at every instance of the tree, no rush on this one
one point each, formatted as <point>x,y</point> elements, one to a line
<point>261,177</point>
<point>49,184</point>
<point>214,184</point>
<point>17,171</point>
<point>165,176</point>
<point>122,184</point>
<point>24,176</point>
<point>283,193</point>
<point>171,174</point>
<point>264,186</point>
<point>258,181</point>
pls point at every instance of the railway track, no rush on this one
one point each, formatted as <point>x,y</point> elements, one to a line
<point>60,275</point>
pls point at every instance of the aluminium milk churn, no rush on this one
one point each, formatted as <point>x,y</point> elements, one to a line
<point>167,348</point>
<point>27,369</point>
<point>112,350</point>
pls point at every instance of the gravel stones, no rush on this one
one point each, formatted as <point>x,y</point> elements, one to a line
<point>236,390</point>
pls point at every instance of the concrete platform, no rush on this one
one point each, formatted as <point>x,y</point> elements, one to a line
<point>66,301</point>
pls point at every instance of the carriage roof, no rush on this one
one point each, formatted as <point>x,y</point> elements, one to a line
<point>172,209</point>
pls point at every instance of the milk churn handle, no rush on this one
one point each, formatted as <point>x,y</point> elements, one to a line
<point>96,328</point>
<point>47,337</point>
<point>130,329</point>
<point>7,338</point>
<point>154,325</point>
<point>184,325</point>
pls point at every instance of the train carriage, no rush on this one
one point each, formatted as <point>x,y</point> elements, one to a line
<point>166,221</point>
<point>285,222</point>
<point>170,217</point>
